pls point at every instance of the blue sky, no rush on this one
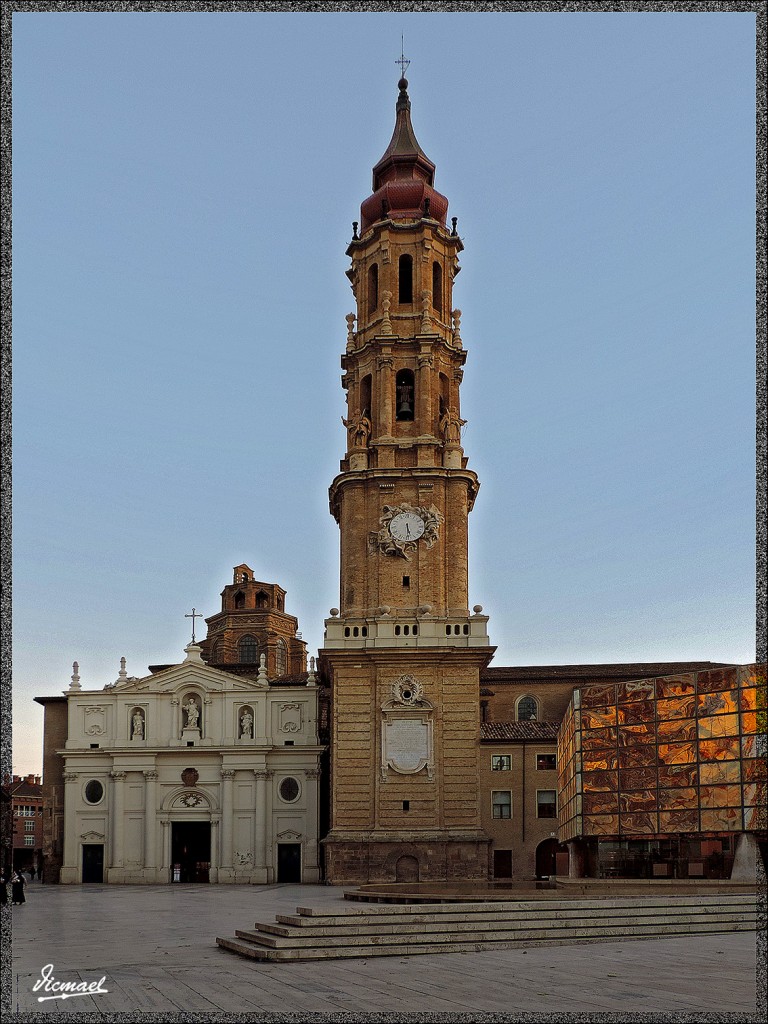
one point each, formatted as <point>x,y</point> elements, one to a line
<point>184,187</point>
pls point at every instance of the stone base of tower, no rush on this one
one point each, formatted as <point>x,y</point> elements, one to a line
<point>418,856</point>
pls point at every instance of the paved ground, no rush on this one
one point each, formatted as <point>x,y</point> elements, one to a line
<point>155,945</point>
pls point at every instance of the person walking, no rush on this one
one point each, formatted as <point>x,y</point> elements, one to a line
<point>3,889</point>
<point>17,888</point>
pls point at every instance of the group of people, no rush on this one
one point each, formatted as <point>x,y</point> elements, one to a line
<point>17,884</point>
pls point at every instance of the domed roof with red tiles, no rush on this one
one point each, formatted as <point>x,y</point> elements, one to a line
<point>402,179</point>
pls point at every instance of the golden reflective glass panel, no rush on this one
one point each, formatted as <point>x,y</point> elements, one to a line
<point>677,753</point>
<point>643,733</point>
<point>599,781</point>
<point>678,707</point>
<point>637,778</point>
<point>749,721</point>
<point>718,702</point>
<point>713,773</point>
<point>601,825</point>
<point>677,730</point>
<point>677,799</point>
<point>717,679</point>
<point>718,725</point>
<point>675,686</point>
<point>641,755</point>
<point>597,696</point>
<point>679,820</point>
<point>600,803</point>
<point>602,719</point>
<point>754,769</point>
<point>718,750</point>
<point>722,819</point>
<point>639,823</point>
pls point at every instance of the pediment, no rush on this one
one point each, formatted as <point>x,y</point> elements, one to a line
<point>189,673</point>
<point>92,837</point>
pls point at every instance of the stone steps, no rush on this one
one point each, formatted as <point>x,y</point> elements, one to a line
<point>397,930</point>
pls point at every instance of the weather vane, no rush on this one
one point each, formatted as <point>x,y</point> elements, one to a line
<point>403,60</point>
<point>193,616</point>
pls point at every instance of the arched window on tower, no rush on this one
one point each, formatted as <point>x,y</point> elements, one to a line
<point>405,394</point>
<point>405,279</point>
<point>365,396</point>
<point>248,650</point>
<point>437,287</point>
<point>281,657</point>
<point>213,655</point>
<point>527,709</point>
<point>262,600</point>
<point>239,599</point>
<point>373,287</point>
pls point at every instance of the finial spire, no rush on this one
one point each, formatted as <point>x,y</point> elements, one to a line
<point>193,616</point>
<point>402,60</point>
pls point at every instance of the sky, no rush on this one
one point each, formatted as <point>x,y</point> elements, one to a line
<point>184,186</point>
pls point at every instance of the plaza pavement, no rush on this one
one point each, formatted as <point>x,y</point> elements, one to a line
<point>155,945</point>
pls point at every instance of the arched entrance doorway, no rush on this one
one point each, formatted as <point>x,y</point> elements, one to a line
<point>551,859</point>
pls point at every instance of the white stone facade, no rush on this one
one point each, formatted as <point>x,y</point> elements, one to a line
<point>249,757</point>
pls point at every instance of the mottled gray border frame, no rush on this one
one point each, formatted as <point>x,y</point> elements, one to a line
<point>7,8</point>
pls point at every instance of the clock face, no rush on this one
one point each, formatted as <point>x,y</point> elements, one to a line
<point>406,526</point>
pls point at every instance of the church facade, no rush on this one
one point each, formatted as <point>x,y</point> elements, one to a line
<point>194,772</point>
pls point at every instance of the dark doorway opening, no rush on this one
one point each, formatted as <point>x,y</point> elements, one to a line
<point>93,862</point>
<point>502,863</point>
<point>289,862</point>
<point>190,851</point>
<point>551,859</point>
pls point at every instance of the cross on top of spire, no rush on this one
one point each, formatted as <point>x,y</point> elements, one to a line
<point>193,616</point>
<point>402,60</point>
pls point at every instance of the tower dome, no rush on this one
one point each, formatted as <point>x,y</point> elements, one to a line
<point>403,178</point>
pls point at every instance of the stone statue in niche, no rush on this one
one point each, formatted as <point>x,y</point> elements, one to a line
<point>137,725</point>
<point>193,714</point>
<point>246,725</point>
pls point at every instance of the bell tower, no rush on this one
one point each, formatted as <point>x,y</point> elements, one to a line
<point>402,654</point>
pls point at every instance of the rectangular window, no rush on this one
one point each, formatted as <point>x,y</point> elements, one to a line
<point>29,840</point>
<point>546,762</point>
<point>29,826</point>
<point>501,762</point>
<point>546,803</point>
<point>501,803</point>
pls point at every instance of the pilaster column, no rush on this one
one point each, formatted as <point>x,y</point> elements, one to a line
<point>176,725</point>
<point>150,819</point>
<point>311,871</point>
<point>385,365</point>
<point>165,866</point>
<point>260,844</point>
<point>70,864</point>
<point>213,869</point>
<point>424,394</point>
<point>117,814</point>
<point>227,823</point>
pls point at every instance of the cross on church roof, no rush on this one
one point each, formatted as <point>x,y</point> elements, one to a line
<point>403,60</point>
<point>194,615</point>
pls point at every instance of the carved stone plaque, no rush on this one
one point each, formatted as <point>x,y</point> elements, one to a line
<point>406,743</point>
